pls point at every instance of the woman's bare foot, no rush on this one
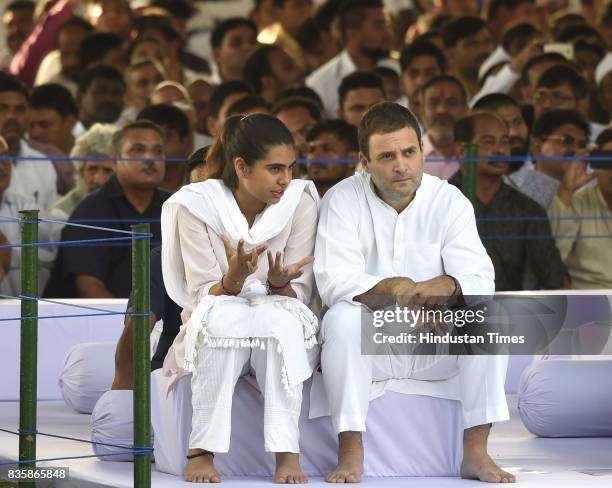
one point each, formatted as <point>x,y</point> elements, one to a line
<point>288,469</point>
<point>477,464</point>
<point>350,459</point>
<point>201,469</point>
<point>480,466</point>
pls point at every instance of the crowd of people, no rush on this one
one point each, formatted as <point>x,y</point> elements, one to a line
<point>78,70</point>
<point>107,118</point>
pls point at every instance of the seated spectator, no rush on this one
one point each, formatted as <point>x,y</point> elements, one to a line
<point>468,44</point>
<point>562,87</point>
<point>111,16</point>
<point>100,97</point>
<point>232,41</point>
<point>91,175</point>
<point>253,104</point>
<point>288,16</point>
<point>33,178</point>
<point>18,22</point>
<point>391,82</point>
<point>302,91</point>
<point>444,101</point>
<point>53,116</point>
<point>178,142</point>
<point>521,175</point>
<point>367,40</point>
<point>141,79</point>
<point>328,140</point>
<point>533,69</point>
<point>357,93</point>
<point>557,133</point>
<point>11,204</point>
<point>317,45</point>
<point>148,48</point>
<point>494,198</point>
<point>269,70</point>
<point>420,62</point>
<point>130,195</point>
<point>102,48</point>
<point>200,91</point>
<point>299,115</point>
<point>588,258</point>
<point>222,97</point>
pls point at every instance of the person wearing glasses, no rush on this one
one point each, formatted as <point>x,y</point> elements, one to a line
<point>585,248</point>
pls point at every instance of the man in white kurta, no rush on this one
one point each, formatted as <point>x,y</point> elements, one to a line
<point>395,231</point>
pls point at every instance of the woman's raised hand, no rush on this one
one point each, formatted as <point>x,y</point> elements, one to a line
<point>241,263</point>
<point>279,275</point>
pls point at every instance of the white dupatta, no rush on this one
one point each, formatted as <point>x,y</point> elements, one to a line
<point>214,204</point>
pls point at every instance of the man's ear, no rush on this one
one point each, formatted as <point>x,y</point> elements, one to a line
<point>363,162</point>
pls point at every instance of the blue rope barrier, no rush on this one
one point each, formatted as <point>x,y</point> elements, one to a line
<point>43,317</point>
<point>108,229</point>
<point>76,439</point>
<point>74,305</point>
<point>73,243</point>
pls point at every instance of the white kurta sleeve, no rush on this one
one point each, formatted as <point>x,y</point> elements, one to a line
<point>202,268</point>
<point>463,255</point>
<point>340,264</point>
<point>301,243</point>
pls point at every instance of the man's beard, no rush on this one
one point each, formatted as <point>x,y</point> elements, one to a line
<point>441,128</point>
<point>375,54</point>
<point>518,148</point>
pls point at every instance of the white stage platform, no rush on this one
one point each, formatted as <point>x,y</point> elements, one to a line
<point>541,463</point>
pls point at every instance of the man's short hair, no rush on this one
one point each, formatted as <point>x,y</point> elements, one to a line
<point>224,90</point>
<point>342,130</point>
<point>461,28</point>
<point>298,102</point>
<point>573,33</point>
<point>517,32</point>
<point>385,72</point>
<point>550,121</point>
<point>168,116</point>
<point>351,13</point>
<point>159,23</point>
<point>246,104</point>
<point>494,101</point>
<point>198,158</point>
<point>308,36</point>
<point>222,28</point>
<point>53,96</point>
<point>302,91</point>
<point>137,124</point>
<point>560,74</point>
<point>18,5</point>
<point>96,45</point>
<point>258,65</point>
<point>604,137</point>
<point>359,79</point>
<point>496,5</point>
<point>99,71</point>
<point>539,59</point>
<point>181,9</point>
<point>464,128</point>
<point>139,63</point>
<point>10,83</point>
<point>410,52</point>
<point>445,79</point>
<point>384,118</point>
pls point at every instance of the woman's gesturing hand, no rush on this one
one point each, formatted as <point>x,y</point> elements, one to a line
<point>240,262</point>
<point>280,275</point>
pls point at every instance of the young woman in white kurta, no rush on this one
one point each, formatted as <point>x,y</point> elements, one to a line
<point>237,257</point>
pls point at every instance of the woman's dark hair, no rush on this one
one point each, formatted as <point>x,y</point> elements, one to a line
<point>247,137</point>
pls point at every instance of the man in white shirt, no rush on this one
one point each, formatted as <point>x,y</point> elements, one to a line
<point>396,233</point>
<point>35,178</point>
<point>367,40</point>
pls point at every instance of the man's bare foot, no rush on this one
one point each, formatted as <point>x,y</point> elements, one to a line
<point>288,469</point>
<point>482,467</point>
<point>350,459</point>
<point>201,469</point>
<point>477,464</point>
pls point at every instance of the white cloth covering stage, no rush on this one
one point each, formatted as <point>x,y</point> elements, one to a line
<point>56,336</point>
<point>538,462</point>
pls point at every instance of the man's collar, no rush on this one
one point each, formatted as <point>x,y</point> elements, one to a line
<point>112,188</point>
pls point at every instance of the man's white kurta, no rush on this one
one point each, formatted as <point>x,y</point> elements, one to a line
<point>361,240</point>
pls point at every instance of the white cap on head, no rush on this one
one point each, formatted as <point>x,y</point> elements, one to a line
<point>603,68</point>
